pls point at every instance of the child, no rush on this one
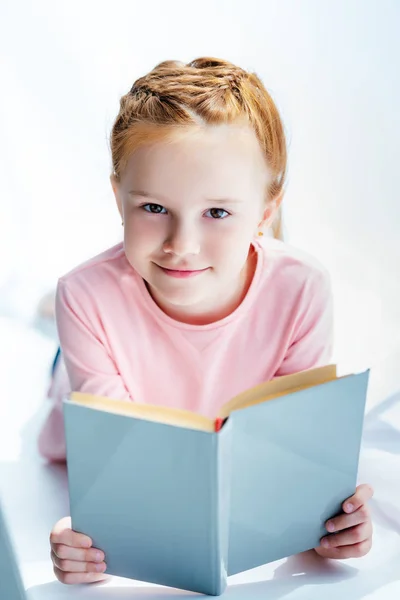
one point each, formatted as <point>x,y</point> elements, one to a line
<point>192,308</point>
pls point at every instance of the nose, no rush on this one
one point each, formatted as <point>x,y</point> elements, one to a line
<point>182,240</point>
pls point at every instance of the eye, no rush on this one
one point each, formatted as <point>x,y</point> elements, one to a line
<point>217,213</point>
<point>154,208</point>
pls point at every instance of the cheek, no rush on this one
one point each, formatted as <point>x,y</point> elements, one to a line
<point>143,234</point>
<point>230,243</point>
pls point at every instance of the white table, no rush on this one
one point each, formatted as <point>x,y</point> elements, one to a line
<point>35,497</point>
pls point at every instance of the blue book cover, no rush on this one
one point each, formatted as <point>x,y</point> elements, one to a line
<point>173,502</point>
<point>152,496</point>
<point>295,460</point>
<point>11,587</point>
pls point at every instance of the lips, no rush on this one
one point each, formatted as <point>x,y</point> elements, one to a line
<point>182,273</point>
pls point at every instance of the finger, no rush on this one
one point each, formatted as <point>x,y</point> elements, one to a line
<point>348,537</point>
<point>78,554</point>
<point>344,521</point>
<point>76,578</point>
<point>364,492</point>
<point>74,566</point>
<point>342,552</point>
<point>63,534</point>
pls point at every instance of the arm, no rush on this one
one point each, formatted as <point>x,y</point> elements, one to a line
<point>349,534</point>
<point>90,366</point>
<point>86,365</point>
<point>312,339</point>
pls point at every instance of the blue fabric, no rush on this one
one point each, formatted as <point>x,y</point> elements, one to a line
<point>55,361</point>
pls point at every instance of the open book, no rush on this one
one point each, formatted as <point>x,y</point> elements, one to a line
<point>178,499</point>
<point>11,586</point>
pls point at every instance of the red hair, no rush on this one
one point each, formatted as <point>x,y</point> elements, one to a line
<point>206,91</point>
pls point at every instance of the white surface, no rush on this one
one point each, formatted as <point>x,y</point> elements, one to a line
<point>35,495</point>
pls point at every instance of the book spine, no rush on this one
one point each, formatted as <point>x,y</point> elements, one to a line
<point>222,502</point>
<point>218,424</point>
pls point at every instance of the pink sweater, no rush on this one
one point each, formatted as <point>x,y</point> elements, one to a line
<point>117,342</point>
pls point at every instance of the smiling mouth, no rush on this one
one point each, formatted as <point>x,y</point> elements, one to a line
<point>182,273</point>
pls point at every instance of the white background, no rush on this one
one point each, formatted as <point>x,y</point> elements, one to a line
<point>334,71</point>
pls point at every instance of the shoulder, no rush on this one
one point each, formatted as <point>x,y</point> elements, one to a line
<point>291,272</point>
<point>98,291</point>
<point>99,271</point>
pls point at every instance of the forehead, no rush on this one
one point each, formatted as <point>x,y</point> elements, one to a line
<point>225,158</point>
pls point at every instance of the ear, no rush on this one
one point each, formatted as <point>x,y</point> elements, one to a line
<point>271,210</point>
<point>117,193</point>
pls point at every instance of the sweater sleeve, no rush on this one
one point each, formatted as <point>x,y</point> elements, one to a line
<point>312,339</point>
<point>85,366</point>
<point>89,364</point>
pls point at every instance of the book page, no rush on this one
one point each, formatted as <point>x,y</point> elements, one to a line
<point>279,387</point>
<point>149,412</point>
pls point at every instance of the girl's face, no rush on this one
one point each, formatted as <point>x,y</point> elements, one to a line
<point>191,208</point>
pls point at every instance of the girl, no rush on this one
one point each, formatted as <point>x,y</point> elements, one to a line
<point>192,308</point>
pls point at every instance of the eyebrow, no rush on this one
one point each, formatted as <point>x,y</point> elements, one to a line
<point>140,193</point>
<point>162,199</point>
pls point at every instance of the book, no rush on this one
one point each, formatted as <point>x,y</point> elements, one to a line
<point>11,586</point>
<point>181,500</point>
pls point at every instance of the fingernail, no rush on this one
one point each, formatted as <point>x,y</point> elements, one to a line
<point>330,526</point>
<point>100,568</point>
<point>99,557</point>
<point>325,543</point>
<point>349,507</point>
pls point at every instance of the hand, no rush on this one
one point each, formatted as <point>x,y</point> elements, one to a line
<point>354,528</point>
<point>74,560</point>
